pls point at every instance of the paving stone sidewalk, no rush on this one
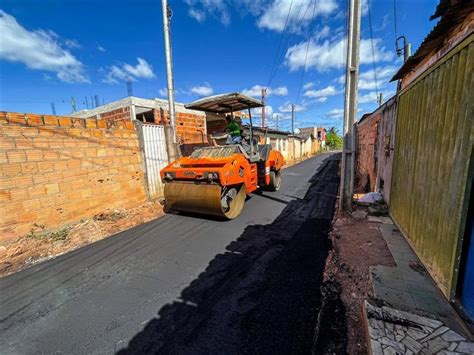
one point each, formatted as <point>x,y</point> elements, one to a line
<point>393,331</point>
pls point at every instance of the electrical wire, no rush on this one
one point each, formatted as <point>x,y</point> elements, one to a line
<point>287,36</point>
<point>307,50</point>
<point>373,49</point>
<point>274,66</point>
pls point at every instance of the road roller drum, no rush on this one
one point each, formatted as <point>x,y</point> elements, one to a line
<point>210,199</point>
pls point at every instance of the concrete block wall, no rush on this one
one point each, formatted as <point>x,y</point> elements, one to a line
<point>57,170</point>
<point>366,148</point>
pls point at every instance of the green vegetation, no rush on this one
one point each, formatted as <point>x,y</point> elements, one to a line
<point>333,139</point>
<point>61,234</point>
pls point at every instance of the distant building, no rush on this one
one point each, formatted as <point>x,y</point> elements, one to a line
<point>191,126</point>
<point>318,133</point>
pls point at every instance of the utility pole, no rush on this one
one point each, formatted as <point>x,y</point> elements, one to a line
<point>53,108</point>
<point>380,99</point>
<point>96,98</point>
<point>293,129</point>
<point>73,104</point>
<point>350,106</point>
<point>264,92</point>
<point>87,102</point>
<point>167,13</point>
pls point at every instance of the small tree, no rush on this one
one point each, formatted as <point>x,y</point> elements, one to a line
<point>333,139</point>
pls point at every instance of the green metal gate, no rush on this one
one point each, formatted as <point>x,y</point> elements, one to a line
<point>431,171</point>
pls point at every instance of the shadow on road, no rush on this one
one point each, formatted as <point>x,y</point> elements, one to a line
<point>263,295</point>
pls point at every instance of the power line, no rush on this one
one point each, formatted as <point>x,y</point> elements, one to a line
<point>281,55</point>
<point>274,66</point>
<point>307,49</point>
<point>373,49</point>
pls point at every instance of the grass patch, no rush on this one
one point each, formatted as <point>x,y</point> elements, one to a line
<point>61,234</point>
<point>110,216</point>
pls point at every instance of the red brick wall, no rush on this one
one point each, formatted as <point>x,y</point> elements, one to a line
<point>190,128</point>
<point>366,145</point>
<point>120,114</point>
<point>57,170</point>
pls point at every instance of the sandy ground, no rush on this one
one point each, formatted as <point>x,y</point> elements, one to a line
<point>357,244</point>
<point>39,245</point>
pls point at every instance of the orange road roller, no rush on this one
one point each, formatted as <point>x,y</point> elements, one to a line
<point>216,180</point>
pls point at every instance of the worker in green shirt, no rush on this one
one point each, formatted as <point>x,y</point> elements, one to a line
<point>233,129</point>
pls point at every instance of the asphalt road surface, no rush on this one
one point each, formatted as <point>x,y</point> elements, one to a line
<point>186,284</point>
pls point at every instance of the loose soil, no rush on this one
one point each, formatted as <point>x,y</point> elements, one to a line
<point>40,245</point>
<point>357,245</point>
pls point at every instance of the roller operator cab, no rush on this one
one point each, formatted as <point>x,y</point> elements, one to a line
<point>216,180</point>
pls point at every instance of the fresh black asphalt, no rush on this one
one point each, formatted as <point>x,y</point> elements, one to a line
<point>185,284</point>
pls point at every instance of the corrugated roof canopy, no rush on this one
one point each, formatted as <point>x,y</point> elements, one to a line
<point>224,103</point>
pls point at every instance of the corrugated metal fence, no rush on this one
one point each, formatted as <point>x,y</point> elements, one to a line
<point>434,142</point>
<point>153,142</point>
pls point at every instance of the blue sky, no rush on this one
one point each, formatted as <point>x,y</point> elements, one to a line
<point>53,50</point>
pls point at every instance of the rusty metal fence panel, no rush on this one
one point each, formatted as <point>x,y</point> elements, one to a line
<point>434,140</point>
<point>153,142</point>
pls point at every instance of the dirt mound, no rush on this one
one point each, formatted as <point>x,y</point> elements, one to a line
<point>40,244</point>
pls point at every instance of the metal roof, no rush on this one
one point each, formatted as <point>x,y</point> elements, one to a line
<point>452,13</point>
<point>304,135</point>
<point>224,103</point>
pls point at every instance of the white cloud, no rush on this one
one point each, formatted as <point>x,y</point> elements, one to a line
<point>321,99</point>
<point>100,48</point>
<point>308,85</point>
<point>199,16</point>
<point>287,108</point>
<point>256,91</point>
<point>332,54</point>
<point>327,91</point>
<point>365,7</point>
<point>163,92</point>
<point>202,90</point>
<point>335,113</point>
<point>371,97</point>
<point>384,74</point>
<point>323,33</point>
<point>72,43</point>
<point>201,9</point>
<point>367,80</point>
<point>299,13</point>
<point>257,112</point>
<point>280,116</point>
<point>38,50</point>
<point>143,70</point>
